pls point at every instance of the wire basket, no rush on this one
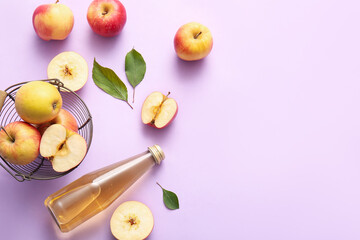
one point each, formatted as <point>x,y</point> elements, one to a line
<point>41,168</point>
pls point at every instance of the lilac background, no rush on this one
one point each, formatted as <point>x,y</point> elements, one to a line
<point>265,144</point>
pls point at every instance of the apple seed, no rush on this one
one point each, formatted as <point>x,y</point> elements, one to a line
<point>67,71</point>
<point>132,221</point>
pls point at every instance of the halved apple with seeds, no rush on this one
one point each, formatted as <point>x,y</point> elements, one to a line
<point>70,68</point>
<point>158,110</point>
<point>132,220</point>
<point>63,147</point>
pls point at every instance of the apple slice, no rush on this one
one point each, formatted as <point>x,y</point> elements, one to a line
<point>158,110</point>
<point>70,68</point>
<point>64,148</point>
<point>64,118</point>
<point>132,220</point>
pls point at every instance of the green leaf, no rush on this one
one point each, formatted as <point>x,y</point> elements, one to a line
<point>109,82</point>
<point>170,199</point>
<point>135,68</point>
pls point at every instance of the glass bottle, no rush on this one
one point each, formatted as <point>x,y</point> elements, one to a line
<point>95,191</point>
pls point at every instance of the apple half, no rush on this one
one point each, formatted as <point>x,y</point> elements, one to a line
<point>70,68</point>
<point>132,220</point>
<point>63,147</point>
<point>158,110</point>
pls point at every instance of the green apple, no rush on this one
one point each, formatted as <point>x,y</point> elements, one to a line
<point>19,143</point>
<point>38,102</point>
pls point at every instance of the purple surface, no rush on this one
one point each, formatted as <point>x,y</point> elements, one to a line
<point>265,144</point>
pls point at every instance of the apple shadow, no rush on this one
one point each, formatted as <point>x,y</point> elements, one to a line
<point>83,92</point>
<point>189,70</point>
<point>103,45</point>
<point>158,136</point>
<point>49,49</point>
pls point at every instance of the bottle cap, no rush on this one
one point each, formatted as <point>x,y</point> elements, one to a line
<point>157,153</point>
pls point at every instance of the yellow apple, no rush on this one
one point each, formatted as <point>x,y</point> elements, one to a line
<point>193,41</point>
<point>38,102</point>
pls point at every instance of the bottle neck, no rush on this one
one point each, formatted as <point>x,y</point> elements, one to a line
<point>134,167</point>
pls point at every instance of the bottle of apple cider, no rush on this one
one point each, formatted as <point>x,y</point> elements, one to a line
<point>95,191</point>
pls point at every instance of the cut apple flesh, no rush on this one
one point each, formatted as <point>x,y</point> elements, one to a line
<point>64,148</point>
<point>52,140</point>
<point>71,154</point>
<point>151,106</point>
<point>70,68</point>
<point>166,113</point>
<point>132,220</point>
<point>158,110</point>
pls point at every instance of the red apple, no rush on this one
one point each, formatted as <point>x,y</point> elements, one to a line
<point>106,17</point>
<point>158,110</point>
<point>53,21</point>
<point>193,41</point>
<point>64,118</point>
<point>19,143</point>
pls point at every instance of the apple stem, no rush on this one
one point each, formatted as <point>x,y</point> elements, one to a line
<point>56,1</point>
<point>197,35</point>
<point>11,138</point>
<point>129,104</point>
<point>106,10</point>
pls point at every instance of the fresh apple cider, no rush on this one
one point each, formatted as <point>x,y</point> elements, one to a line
<point>95,191</point>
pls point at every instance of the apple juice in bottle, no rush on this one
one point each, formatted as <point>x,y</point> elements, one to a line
<point>95,191</point>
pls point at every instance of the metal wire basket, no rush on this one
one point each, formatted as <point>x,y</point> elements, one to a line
<point>41,168</point>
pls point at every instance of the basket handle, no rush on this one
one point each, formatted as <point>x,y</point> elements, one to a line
<point>3,95</point>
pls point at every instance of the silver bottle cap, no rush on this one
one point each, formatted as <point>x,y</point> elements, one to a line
<point>157,153</point>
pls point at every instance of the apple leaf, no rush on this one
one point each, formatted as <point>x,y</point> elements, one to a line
<point>170,199</point>
<point>107,80</point>
<point>135,68</point>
